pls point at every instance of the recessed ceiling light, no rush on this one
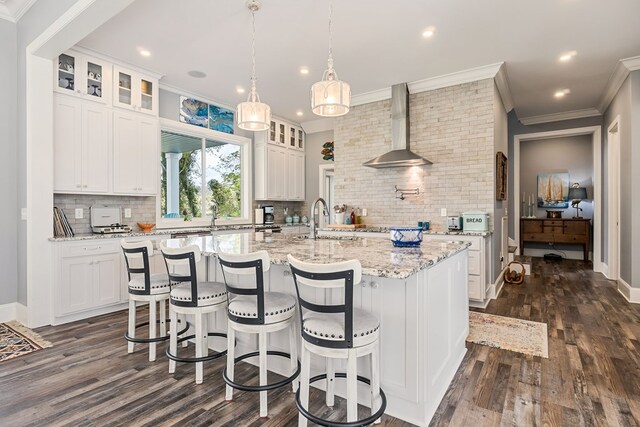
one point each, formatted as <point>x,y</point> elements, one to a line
<point>240,89</point>
<point>299,113</point>
<point>304,70</point>
<point>197,74</point>
<point>568,56</point>
<point>428,32</point>
<point>145,52</point>
<point>562,93</point>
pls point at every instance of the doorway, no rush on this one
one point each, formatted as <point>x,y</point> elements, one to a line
<point>326,180</point>
<point>613,200</point>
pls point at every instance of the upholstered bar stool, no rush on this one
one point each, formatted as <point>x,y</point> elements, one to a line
<point>145,287</point>
<point>190,297</point>
<point>336,331</point>
<point>254,311</point>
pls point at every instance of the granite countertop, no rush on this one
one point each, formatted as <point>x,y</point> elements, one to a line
<point>378,256</point>
<point>385,229</point>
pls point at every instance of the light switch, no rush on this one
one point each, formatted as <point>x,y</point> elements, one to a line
<point>443,211</point>
<point>79,213</point>
<point>127,213</point>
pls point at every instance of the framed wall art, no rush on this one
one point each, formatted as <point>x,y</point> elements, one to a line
<point>553,190</point>
<point>501,176</point>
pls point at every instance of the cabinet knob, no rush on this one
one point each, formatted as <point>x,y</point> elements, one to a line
<point>85,186</point>
<point>374,285</point>
<point>78,186</point>
<point>286,273</point>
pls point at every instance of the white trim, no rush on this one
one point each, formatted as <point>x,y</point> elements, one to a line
<point>617,78</point>
<point>446,80</point>
<point>14,16</point>
<point>502,83</point>
<point>558,117</point>
<point>319,125</point>
<point>629,293</point>
<point>322,169</point>
<point>8,312</point>
<point>605,270</point>
<point>595,132</point>
<point>613,205</point>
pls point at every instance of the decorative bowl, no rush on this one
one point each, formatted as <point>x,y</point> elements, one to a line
<point>406,236</point>
<point>146,227</point>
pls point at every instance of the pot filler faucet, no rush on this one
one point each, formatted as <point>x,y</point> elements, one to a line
<point>312,225</point>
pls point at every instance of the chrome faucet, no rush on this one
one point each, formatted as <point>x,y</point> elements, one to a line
<point>313,233</point>
<point>214,213</point>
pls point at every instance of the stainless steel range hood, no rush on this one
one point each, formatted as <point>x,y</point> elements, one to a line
<point>400,155</point>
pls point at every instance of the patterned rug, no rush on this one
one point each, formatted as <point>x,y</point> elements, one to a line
<point>17,340</point>
<point>521,336</point>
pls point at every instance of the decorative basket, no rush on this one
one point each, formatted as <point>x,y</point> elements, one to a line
<point>516,275</point>
<point>406,237</point>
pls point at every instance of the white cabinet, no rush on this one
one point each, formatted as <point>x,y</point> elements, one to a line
<point>82,146</point>
<point>295,137</point>
<point>135,91</point>
<point>278,132</point>
<point>296,178</point>
<point>135,154</point>
<point>276,173</point>
<point>87,277</point>
<point>84,76</point>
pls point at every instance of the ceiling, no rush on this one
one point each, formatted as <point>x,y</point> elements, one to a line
<point>377,43</point>
<point>12,10</point>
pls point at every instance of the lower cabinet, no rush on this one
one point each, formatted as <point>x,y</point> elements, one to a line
<point>88,277</point>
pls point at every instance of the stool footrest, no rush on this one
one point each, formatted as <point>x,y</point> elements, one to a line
<point>150,340</point>
<point>264,387</point>
<point>197,359</point>
<point>321,421</point>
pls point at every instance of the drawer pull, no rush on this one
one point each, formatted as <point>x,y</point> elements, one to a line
<point>93,249</point>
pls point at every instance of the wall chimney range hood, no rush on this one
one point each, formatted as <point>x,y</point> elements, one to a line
<point>400,155</point>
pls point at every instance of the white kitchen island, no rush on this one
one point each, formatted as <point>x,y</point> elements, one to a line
<point>419,295</point>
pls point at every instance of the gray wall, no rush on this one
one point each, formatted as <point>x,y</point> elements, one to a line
<point>626,104</point>
<point>8,162</point>
<point>313,160</point>
<point>500,143</point>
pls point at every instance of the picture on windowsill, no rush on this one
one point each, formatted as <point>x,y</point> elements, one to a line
<point>553,190</point>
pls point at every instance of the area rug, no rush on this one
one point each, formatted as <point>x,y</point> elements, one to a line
<point>17,340</point>
<point>521,336</point>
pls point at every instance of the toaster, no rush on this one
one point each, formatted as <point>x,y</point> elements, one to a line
<point>454,223</point>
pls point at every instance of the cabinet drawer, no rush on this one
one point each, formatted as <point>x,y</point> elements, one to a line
<point>97,248</point>
<point>474,262</point>
<point>579,227</point>
<point>552,223</point>
<point>475,290</point>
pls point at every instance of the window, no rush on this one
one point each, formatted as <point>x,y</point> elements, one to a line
<point>200,168</point>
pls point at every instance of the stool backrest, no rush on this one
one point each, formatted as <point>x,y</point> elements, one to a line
<point>136,256</point>
<point>181,268</point>
<point>256,264</point>
<point>345,275</point>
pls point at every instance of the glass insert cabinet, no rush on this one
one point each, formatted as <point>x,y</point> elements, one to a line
<point>286,134</point>
<point>82,75</point>
<point>134,91</point>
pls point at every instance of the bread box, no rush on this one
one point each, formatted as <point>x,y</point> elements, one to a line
<point>475,221</point>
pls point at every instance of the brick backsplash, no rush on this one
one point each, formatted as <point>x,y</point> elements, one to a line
<point>143,209</point>
<point>294,208</point>
<point>453,127</point>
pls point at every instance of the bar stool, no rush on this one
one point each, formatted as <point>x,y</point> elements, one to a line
<point>190,297</point>
<point>255,311</point>
<point>337,331</point>
<point>145,287</point>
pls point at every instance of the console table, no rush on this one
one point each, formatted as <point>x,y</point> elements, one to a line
<point>569,230</point>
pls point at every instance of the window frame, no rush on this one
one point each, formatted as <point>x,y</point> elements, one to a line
<point>246,175</point>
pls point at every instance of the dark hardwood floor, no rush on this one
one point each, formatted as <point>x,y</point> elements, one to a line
<point>592,376</point>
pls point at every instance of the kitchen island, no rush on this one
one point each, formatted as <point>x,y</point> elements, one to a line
<point>419,295</point>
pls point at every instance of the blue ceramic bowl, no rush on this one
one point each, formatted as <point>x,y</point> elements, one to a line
<point>406,236</point>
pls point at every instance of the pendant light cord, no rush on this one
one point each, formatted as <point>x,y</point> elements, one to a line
<point>253,94</point>
<point>330,61</point>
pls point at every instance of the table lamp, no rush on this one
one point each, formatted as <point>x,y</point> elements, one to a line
<point>577,194</point>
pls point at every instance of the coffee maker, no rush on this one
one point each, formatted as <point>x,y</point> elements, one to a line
<point>269,214</point>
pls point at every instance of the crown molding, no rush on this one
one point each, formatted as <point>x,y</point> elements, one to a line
<point>558,117</point>
<point>318,125</point>
<point>465,76</point>
<point>617,78</point>
<point>14,14</point>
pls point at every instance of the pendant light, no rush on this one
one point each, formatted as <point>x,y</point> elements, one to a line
<point>330,97</point>
<point>253,115</point>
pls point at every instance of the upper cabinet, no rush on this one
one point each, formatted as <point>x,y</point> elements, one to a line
<point>135,91</point>
<point>82,75</point>
<point>286,134</point>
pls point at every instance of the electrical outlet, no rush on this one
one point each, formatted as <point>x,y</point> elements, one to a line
<point>127,213</point>
<point>79,213</point>
<point>443,211</point>
<point>364,211</point>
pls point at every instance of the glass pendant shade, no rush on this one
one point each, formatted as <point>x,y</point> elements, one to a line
<point>330,97</point>
<point>252,114</point>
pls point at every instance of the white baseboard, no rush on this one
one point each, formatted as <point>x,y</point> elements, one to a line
<point>21,313</point>
<point>8,312</point>
<point>604,270</point>
<point>577,255</point>
<point>629,293</point>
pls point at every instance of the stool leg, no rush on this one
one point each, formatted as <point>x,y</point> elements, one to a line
<point>163,317</point>
<point>184,319</point>
<point>132,324</point>
<point>173,338</point>
<point>231,351</point>
<point>304,383</point>
<point>262,349</point>
<point>352,386</point>
<point>200,330</point>
<point>331,375</point>
<point>293,350</point>
<point>152,329</point>
<point>375,379</point>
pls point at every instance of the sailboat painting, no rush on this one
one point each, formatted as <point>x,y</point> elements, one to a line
<point>553,190</point>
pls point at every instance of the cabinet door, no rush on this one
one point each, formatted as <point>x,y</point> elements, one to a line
<point>292,136</point>
<point>67,137</point>
<point>147,95</point>
<point>260,174</point>
<point>296,180</point>
<point>148,159</point>
<point>273,131</point>
<point>300,139</point>
<point>75,291</point>
<point>66,73</point>
<point>126,153</point>
<point>123,82</point>
<point>106,279</point>
<point>96,140</point>
<point>96,79</point>
<point>277,173</point>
